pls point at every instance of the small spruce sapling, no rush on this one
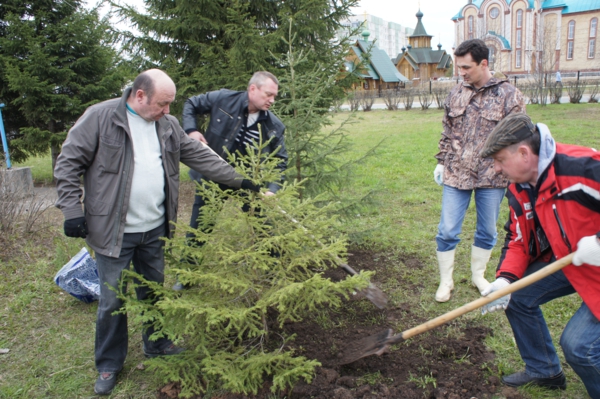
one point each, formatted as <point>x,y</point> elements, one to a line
<point>250,268</point>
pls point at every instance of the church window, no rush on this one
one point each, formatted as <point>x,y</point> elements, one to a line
<point>570,39</point>
<point>592,40</point>
<point>470,26</point>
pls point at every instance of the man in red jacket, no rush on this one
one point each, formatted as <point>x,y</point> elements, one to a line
<point>554,200</point>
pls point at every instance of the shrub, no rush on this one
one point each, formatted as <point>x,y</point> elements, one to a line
<point>20,210</point>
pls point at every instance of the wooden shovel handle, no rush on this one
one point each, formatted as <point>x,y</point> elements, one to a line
<point>509,289</point>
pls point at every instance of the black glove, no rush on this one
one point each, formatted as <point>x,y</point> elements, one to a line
<point>248,185</point>
<point>76,227</point>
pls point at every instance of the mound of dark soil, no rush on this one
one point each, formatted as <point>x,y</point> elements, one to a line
<point>448,362</point>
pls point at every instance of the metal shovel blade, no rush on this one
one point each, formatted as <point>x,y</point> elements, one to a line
<point>378,344</point>
<point>372,292</point>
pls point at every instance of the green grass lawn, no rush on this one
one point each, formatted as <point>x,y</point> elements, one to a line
<point>408,204</point>
<point>51,335</point>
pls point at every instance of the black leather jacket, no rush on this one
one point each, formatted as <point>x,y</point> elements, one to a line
<point>227,110</point>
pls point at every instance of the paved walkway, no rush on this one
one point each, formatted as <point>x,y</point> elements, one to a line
<point>379,104</point>
<point>45,194</point>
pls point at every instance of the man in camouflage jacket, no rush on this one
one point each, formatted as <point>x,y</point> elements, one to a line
<point>472,110</point>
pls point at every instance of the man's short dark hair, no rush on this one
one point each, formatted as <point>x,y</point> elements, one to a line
<point>259,78</point>
<point>515,129</point>
<point>476,47</point>
<point>145,83</point>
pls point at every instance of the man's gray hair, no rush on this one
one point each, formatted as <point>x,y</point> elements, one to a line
<point>259,78</point>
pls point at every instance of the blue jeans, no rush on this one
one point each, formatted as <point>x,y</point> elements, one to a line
<point>580,339</point>
<point>145,251</point>
<point>454,207</point>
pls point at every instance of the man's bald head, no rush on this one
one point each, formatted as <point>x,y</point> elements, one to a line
<point>149,80</point>
<point>152,93</point>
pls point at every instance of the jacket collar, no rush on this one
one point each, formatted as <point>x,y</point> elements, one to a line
<point>547,148</point>
<point>245,99</point>
<point>492,82</point>
<point>120,113</point>
<point>546,158</point>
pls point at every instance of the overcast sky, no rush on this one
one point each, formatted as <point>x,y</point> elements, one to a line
<point>437,15</point>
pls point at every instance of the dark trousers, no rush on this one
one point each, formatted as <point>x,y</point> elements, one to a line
<point>145,251</point>
<point>199,203</point>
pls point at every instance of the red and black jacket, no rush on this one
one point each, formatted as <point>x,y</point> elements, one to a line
<point>562,208</point>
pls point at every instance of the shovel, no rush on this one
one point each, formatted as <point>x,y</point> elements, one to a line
<point>372,292</point>
<point>379,343</point>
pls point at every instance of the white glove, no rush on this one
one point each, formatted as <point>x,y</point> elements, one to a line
<point>438,174</point>
<point>588,252</point>
<point>500,303</point>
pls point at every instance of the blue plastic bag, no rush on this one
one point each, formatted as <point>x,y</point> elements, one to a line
<point>79,277</point>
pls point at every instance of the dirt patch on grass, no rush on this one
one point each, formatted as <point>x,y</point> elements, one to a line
<point>451,361</point>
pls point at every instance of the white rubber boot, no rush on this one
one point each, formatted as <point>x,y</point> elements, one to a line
<point>446,265</point>
<point>479,259</point>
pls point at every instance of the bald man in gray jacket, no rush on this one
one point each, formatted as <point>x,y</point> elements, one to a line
<point>128,151</point>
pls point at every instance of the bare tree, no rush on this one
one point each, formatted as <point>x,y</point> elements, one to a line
<point>530,91</point>
<point>555,94</point>
<point>439,95</point>
<point>488,31</point>
<point>20,210</point>
<point>408,97</point>
<point>367,99</point>
<point>594,90</point>
<point>391,98</point>
<point>543,60</point>
<point>425,98</point>
<point>575,90</point>
<point>354,100</point>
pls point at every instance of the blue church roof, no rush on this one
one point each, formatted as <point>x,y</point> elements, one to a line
<point>568,6</point>
<point>504,41</point>
<point>572,6</point>
<point>380,66</point>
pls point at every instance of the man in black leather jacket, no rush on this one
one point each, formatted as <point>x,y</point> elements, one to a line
<point>236,118</point>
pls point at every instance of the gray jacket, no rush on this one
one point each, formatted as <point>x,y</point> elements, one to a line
<point>98,147</point>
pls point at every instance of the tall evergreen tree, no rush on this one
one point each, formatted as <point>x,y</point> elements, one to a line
<point>56,59</point>
<point>316,149</point>
<point>204,45</point>
<point>210,44</point>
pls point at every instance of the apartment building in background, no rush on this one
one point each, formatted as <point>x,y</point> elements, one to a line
<point>388,36</point>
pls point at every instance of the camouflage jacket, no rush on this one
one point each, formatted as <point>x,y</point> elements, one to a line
<point>470,115</point>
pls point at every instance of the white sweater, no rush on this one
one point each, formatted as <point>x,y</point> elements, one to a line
<point>146,209</point>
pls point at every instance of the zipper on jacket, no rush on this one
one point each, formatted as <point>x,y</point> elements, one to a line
<point>221,109</point>
<point>562,230</point>
<point>121,194</point>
